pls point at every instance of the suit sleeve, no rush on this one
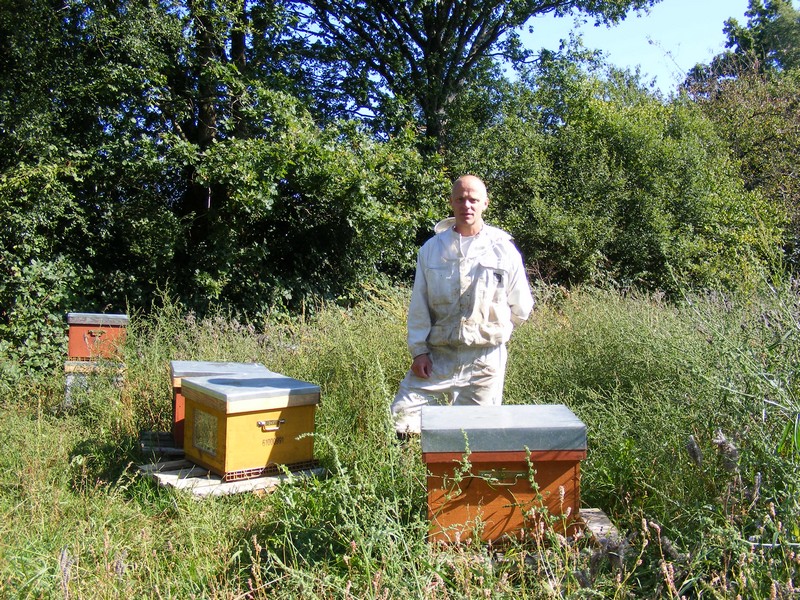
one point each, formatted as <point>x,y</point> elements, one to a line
<point>520,297</point>
<point>419,316</point>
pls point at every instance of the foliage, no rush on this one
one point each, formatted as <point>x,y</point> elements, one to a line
<point>160,157</point>
<point>768,43</point>
<point>750,92</point>
<point>36,280</point>
<point>600,179</point>
<point>758,116</point>
<point>314,214</point>
<point>174,145</point>
<point>422,54</point>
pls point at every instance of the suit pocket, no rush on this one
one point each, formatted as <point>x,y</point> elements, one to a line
<point>442,286</point>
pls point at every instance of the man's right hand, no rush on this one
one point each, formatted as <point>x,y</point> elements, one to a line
<point>422,366</point>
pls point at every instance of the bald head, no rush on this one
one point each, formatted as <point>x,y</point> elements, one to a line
<point>470,182</point>
<point>468,199</point>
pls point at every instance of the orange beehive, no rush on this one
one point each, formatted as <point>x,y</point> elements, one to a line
<point>481,460</point>
<point>95,335</point>
<point>191,368</point>
<point>245,425</point>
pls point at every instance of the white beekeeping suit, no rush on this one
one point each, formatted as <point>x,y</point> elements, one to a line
<point>469,294</point>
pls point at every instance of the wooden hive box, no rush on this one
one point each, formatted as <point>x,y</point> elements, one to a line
<point>242,426</point>
<point>193,368</point>
<point>480,461</point>
<point>95,335</point>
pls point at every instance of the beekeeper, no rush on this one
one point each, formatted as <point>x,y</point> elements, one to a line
<point>470,291</point>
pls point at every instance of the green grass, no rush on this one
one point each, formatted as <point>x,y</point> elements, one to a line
<point>644,375</point>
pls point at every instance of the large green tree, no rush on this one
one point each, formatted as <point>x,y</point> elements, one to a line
<point>148,145</point>
<point>388,59</point>
<point>759,116</point>
<point>752,94</point>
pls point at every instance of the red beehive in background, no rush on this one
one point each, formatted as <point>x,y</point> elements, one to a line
<point>96,335</point>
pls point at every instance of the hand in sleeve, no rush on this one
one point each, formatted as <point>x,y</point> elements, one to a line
<point>422,366</point>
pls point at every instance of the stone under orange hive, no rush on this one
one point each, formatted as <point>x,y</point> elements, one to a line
<point>481,460</point>
<point>245,425</point>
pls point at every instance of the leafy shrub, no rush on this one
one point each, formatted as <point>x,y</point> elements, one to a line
<point>313,215</point>
<point>33,330</point>
<point>757,116</point>
<point>602,180</point>
<point>37,281</point>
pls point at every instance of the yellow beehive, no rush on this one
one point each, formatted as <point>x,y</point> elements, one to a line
<point>190,368</point>
<point>241,426</point>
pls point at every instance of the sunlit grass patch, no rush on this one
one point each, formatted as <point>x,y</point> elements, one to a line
<point>687,407</point>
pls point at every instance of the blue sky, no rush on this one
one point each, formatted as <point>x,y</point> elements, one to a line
<point>666,43</point>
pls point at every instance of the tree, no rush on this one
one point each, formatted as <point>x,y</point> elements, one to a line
<point>752,94</point>
<point>768,43</point>
<point>598,179</point>
<point>389,57</point>
<point>145,147</point>
<point>759,117</point>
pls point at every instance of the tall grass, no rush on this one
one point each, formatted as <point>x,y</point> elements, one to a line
<point>691,410</point>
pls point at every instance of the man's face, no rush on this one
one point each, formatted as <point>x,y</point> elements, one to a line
<point>468,201</point>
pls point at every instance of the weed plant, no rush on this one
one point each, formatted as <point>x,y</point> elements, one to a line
<point>692,416</point>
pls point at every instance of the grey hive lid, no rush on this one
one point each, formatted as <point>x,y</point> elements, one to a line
<point>508,428</point>
<point>99,319</point>
<point>245,387</point>
<point>200,368</point>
